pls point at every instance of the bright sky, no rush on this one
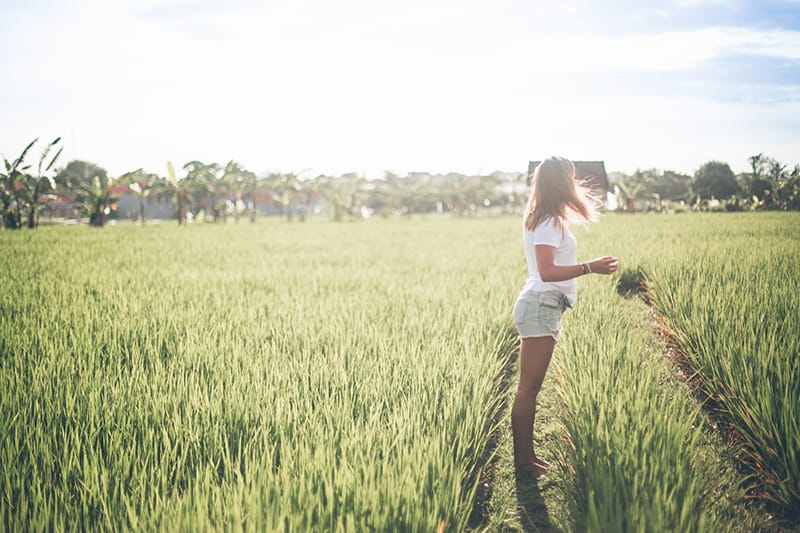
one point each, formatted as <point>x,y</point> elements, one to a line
<point>314,86</point>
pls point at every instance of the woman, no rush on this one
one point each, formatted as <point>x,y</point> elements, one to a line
<point>551,288</point>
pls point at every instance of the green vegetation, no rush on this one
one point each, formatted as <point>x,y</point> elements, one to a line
<point>213,192</point>
<point>23,192</point>
<point>267,375</point>
<point>732,301</point>
<point>345,376</point>
<point>634,450</point>
<point>770,185</point>
<point>726,287</point>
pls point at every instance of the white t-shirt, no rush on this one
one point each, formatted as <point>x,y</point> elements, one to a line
<point>566,254</point>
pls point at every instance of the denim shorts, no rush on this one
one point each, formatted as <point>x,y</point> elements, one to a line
<point>538,314</point>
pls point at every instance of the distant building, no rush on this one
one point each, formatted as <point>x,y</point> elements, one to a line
<point>62,206</point>
<point>593,172</point>
<point>155,207</point>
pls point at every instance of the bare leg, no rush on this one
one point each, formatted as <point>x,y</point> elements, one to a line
<point>534,358</point>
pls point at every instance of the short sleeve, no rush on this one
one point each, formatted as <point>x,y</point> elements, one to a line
<point>548,234</point>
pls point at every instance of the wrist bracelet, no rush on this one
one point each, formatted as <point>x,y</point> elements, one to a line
<point>588,268</point>
<point>584,268</point>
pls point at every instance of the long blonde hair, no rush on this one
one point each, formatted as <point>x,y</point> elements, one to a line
<point>557,194</point>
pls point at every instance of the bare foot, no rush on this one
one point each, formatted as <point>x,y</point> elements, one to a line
<point>532,469</point>
<point>541,462</point>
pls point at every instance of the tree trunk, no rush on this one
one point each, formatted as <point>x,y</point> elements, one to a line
<point>9,220</point>
<point>181,210</point>
<point>141,210</point>
<point>34,203</point>
<point>18,218</point>
<point>308,207</point>
<point>97,218</point>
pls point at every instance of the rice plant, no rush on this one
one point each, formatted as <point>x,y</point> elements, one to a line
<point>345,376</point>
<point>733,304</point>
<point>274,376</point>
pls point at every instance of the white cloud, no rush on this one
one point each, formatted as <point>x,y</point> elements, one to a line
<point>697,3</point>
<point>295,85</point>
<point>660,51</point>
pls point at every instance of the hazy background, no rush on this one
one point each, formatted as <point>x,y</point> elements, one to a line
<point>329,87</point>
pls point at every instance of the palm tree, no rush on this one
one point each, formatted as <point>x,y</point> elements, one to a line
<point>777,178</point>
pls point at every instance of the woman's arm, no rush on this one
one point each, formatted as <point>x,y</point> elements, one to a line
<point>545,255</point>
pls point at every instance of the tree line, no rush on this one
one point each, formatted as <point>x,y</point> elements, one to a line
<point>770,185</point>
<point>217,193</point>
<point>214,192</point>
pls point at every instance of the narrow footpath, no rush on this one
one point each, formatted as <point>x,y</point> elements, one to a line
<point>557,501</point>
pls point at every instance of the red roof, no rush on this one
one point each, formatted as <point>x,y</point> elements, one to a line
<point>62,200</point>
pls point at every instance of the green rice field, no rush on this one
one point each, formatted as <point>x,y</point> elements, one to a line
<point>325,376</point>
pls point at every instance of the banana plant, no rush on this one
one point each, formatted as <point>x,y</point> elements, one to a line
<point>203,186</point>
<point>11,183</point>
<point>98,198</point>
<point>287,187</point>
<point>181,189</point>
<point>36,187</point>
<point>239,184</point>
<point>142,185</point>
<point>630,193</point>
<point>337,194</point>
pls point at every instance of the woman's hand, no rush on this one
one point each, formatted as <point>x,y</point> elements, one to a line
<point>604,265</point>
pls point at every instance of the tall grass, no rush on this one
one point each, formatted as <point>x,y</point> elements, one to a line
<point>344,376</point>
<point>732,298</point>
<point>279,377</point>
<point>638,453</point>
<point>636,443</point>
